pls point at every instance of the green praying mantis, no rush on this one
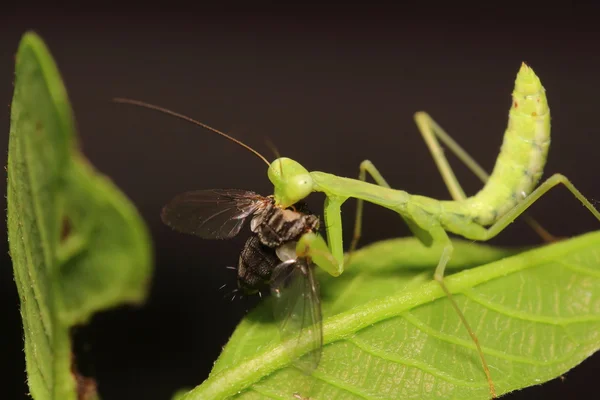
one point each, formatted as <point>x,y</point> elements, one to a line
<point>508,191</point>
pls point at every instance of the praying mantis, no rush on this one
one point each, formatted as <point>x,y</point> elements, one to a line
<point>508,191</point>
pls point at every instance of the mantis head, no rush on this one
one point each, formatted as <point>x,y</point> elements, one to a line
<point>292,182</point>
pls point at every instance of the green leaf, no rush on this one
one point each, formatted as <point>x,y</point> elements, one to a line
<point>390,333</point>
<point>77,244</point>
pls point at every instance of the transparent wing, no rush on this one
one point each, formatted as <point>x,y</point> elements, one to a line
<point>297,308</point>
<point>212,213</point>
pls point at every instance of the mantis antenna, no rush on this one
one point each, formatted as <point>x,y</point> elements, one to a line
<point>188,119</point>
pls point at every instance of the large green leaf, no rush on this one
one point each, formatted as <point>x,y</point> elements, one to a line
<point>390,333</point>
<point>77,244</point>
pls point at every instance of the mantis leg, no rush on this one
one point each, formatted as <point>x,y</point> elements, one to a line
<point>431,131</point>
<point>313,246</point>
<point>551,182</point>
<point>441,236</point>
<point>365,166</point>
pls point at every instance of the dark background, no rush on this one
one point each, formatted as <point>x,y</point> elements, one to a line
<point>330,87</point>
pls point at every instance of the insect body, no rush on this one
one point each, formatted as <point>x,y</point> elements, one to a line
<point>267,258</point>
<point>275,225</point>
<point>256,265</point>
<point>507,193</point>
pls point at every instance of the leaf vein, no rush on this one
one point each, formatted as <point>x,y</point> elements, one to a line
<point>511,313</point>
<point>266,393</point>
<point>580,269</point>
<point>32,282</point>
<point>329,379</point>
<point>26,239</point>
<point>486,350</point>
<point>387,356</point>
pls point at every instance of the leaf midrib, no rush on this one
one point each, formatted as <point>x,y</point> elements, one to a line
<point>22,162</point>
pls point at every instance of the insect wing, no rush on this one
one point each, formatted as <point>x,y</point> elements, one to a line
<point>297,308</point>
<point>213,213</point>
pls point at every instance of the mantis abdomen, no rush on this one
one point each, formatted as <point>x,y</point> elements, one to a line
<point>522,157</point>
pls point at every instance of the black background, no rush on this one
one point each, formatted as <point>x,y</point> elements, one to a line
<point>330,86</point>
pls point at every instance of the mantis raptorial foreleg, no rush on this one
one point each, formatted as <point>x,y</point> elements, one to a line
<point>431,131</point>
<point>313,246</point>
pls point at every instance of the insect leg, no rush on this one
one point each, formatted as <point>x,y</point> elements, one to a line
<point>440,236</point>
<point>365,166</point>
<point>431,131</point>
<point>551,182</point>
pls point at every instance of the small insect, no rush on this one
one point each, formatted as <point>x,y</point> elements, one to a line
<point>511,188</point>
<point>267,258</point>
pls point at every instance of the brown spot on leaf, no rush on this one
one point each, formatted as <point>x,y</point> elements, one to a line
<point>65,229</point>
<point>534,114</point>
<point>516,105</point>
<point>86,387</point>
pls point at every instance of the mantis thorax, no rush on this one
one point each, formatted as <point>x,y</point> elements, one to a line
<point>292,182</point>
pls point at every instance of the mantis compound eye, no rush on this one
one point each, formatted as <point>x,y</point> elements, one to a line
<point>292,182</point>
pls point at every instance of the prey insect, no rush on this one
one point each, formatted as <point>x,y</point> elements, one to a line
<point>508,191</point>
<point>267,258</point>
